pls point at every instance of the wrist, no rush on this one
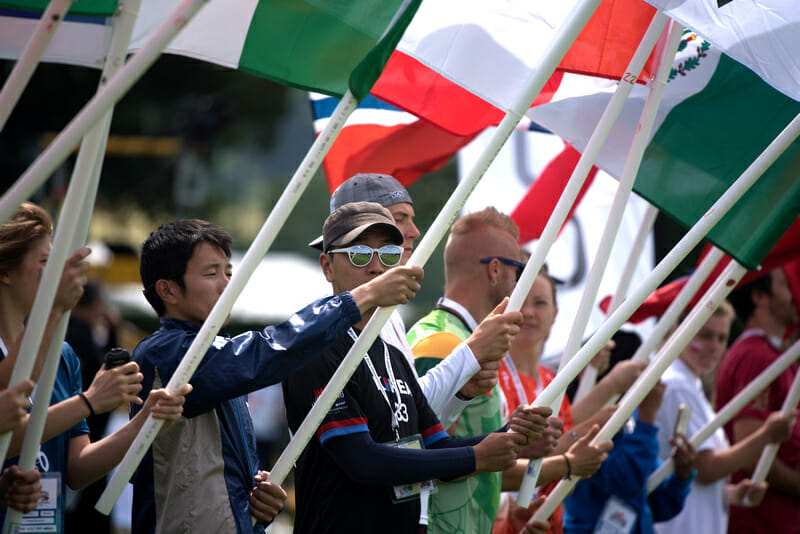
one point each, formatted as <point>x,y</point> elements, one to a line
<point>462,397</point>
<point>88,403</point>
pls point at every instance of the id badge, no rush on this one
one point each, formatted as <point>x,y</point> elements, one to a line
<point>616,518</point>
<point>49,511</point>
<point>405,492</point>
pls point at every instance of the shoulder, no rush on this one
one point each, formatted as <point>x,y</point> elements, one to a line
<point>436,345</point>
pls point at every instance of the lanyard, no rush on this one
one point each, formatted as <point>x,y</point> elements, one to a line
<point>392,382</point>
<point>523,398</point>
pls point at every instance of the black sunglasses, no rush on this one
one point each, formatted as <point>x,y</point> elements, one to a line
<point>506,261</point>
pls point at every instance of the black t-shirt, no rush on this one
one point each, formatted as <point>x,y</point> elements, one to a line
<point>327,499</point>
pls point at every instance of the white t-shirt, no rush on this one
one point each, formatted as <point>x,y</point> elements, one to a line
<point>441,383</point>
<point>705,509</point>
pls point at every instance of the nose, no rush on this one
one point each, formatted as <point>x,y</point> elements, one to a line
<point>375,266</point>
<point>413,232</point>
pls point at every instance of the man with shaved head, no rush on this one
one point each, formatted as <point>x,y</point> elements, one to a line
<point>481,267</point>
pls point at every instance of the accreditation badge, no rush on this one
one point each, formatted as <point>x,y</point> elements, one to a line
<point>50,510</point>
<point>617,518</point>
<point>405,492</point>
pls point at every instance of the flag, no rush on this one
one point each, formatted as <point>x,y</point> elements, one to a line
<point>461,63</point>
<point>306,44</point>
<point>715,118</point>
<point>761,34</point>
<point>328,47</point>
<point>378,137</point>
<point>81,39</point>
<point>786,252</point>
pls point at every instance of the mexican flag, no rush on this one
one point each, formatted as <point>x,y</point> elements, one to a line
<point>715,118</point>
<point>761,34</point>
<point>322,46</point>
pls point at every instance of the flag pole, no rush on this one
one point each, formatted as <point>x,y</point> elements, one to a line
<point>71,233</point>
<point>733,407</point>
<point>565,35</point>
<point>589,375</point>
<point>651,375</point>
<point>62,145</point>
<point>219,313</point>
<point>771,451</point>
<point>595,276</point>
<point>30,57</point>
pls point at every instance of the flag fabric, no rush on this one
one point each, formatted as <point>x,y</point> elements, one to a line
<point>328,47</point>
<point>761,34</point>
<point>461,63</point>
<point>378,137</point>
<point>715,118</point>
<point>81,39</point>
<point>786,252</point>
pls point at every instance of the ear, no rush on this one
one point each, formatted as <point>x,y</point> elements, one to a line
<point>495,271</point>
<point>5,278</point>
<point>326,262</point>
<point>168,290</point>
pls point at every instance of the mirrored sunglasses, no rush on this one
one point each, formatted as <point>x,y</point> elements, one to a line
<point>361,255</point>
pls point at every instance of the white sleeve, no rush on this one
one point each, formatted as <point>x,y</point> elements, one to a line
<point>441,383</point>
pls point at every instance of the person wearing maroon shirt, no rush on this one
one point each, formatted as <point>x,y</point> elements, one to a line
<point>768,309</point>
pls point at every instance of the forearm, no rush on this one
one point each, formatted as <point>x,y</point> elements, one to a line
<point>60,418</point>
<point>593,401</point>
<point>714,465</point>
<point>94,460</point>
<point>367,462</point>
<point>442,382</point>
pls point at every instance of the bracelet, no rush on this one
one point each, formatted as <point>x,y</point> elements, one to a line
<point>462,397</point>
<point>569,467</point>
<point>89,404</point>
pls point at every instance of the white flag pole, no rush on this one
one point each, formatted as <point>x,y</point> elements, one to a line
<point>31,54</point>
<point>219,313</point>
<point>733,407</point>
<point>589,375</point>
<point>632,163</point>
<point>651,375</point>
<point>771,451</point>
<point>62,145</point>
<point>71,232</point>
<point>566,34</point>
<point>639,242</point>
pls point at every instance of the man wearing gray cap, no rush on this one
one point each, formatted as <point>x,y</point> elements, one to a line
<point>470,369</point>
<point>380,440</point>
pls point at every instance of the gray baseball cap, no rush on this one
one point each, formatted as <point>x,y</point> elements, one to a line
<point>345,224</point>
<point>367,187</point>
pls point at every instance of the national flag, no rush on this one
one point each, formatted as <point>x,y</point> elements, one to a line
<point>461,63</point>
<point>81,38</point>
<point>761,34</point>
<point>786,252</point>
<point>378,137</point>
<point>322,46</point>
<point>716,117</point>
